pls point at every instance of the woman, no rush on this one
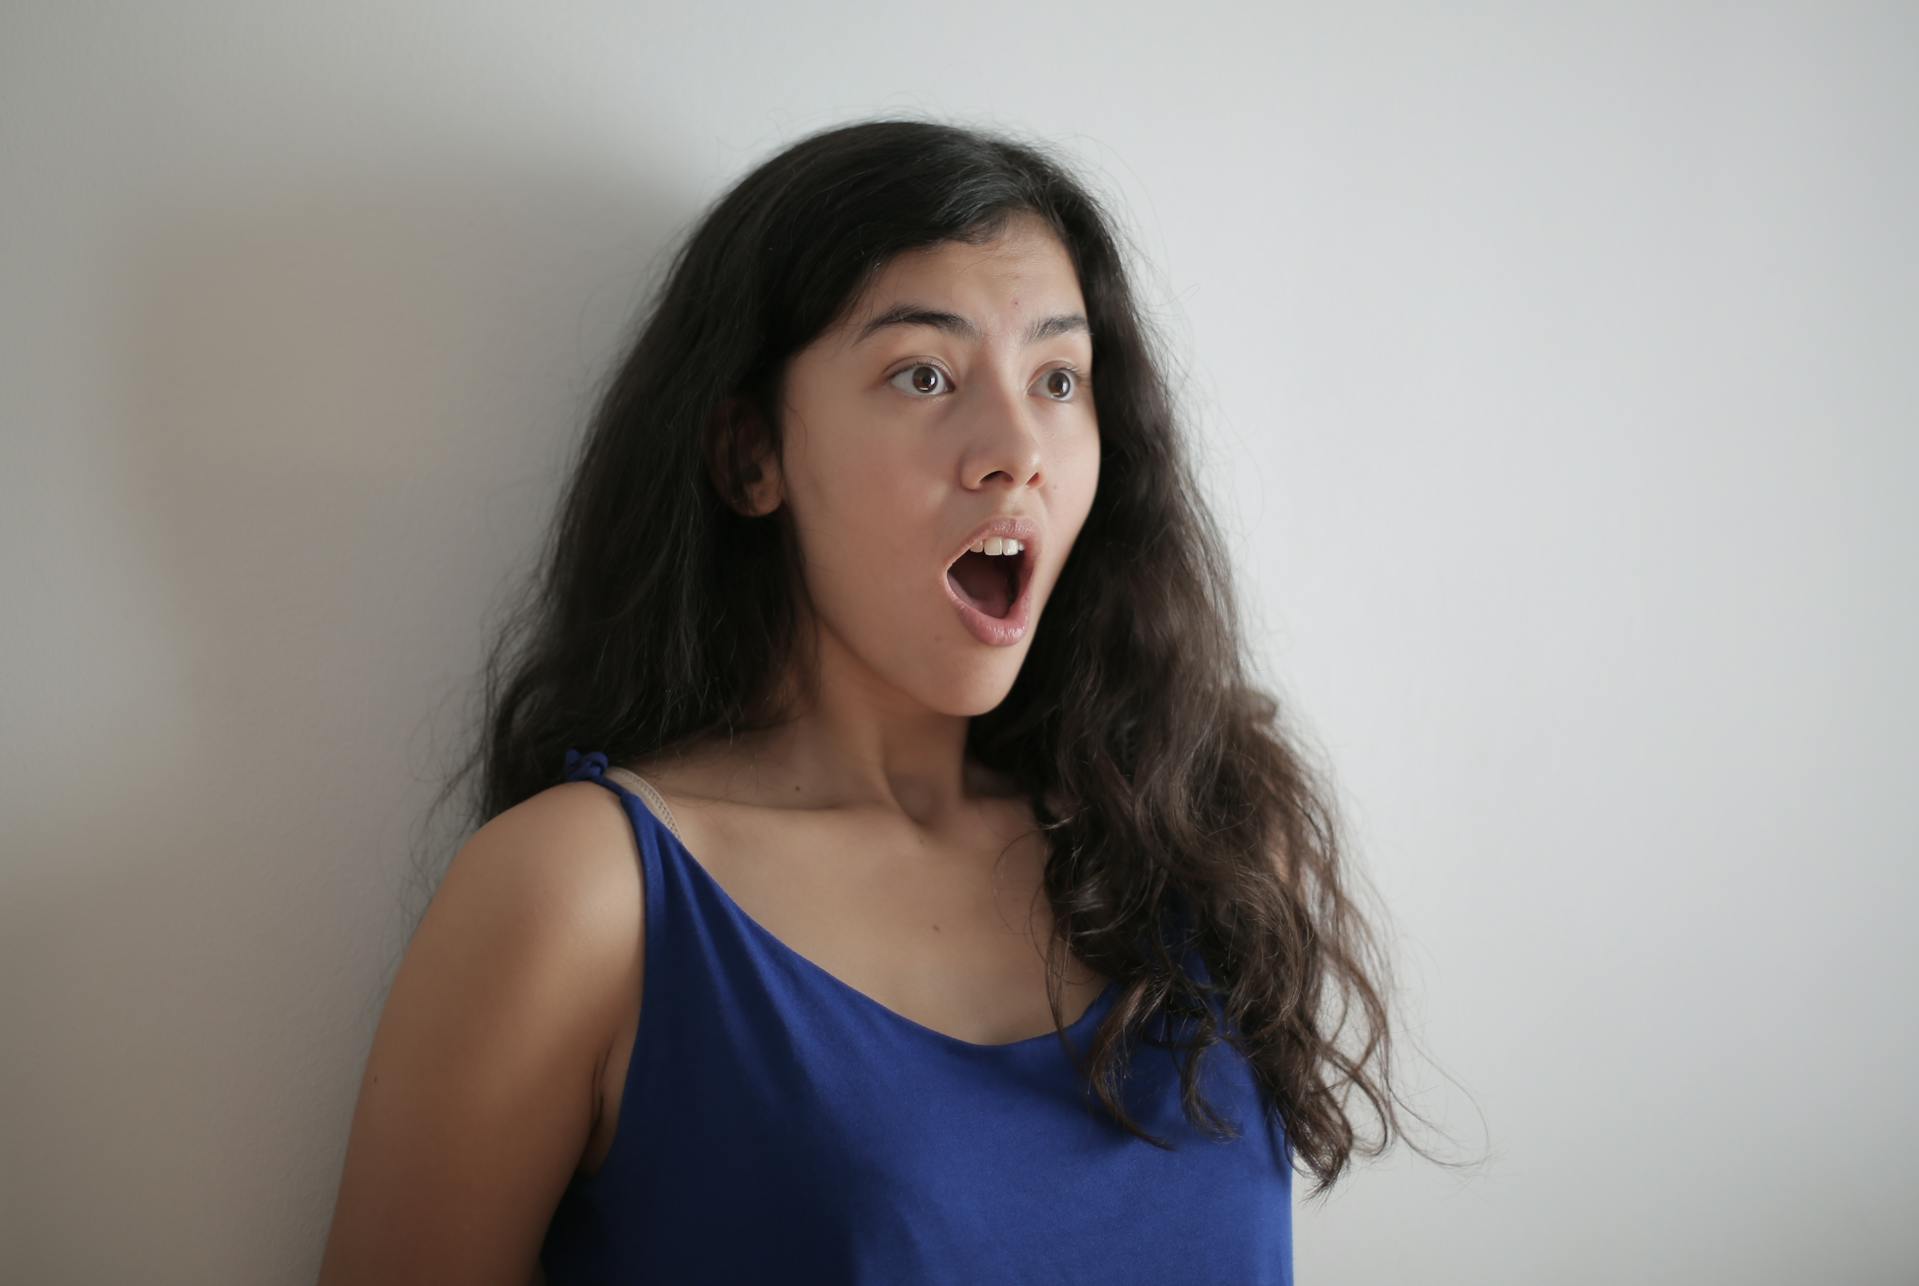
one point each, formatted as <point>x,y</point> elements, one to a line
<point>919,828</point>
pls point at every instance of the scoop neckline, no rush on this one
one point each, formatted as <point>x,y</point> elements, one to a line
<point>808,964</point>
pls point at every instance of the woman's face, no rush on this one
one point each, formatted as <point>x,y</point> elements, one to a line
<point>903,436</point>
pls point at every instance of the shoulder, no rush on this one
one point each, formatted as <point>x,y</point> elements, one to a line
<point>546,898</point>
<point>566,846</point>
<point>559,878</point>
<point>555,872</point>
<point>479,1094</point>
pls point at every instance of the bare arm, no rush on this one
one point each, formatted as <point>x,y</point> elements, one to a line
<point>479,1093</point>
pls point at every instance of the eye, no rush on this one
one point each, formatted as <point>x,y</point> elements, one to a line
<point>920,383</point>
<point>1076,379</point>
<point>915,369</point>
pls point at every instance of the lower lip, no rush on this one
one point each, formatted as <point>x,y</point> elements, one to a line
<point>995,631</point>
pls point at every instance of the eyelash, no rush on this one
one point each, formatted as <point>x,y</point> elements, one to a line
<point>1080,379</point>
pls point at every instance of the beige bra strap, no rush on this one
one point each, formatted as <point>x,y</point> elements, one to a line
<point>645,790</point>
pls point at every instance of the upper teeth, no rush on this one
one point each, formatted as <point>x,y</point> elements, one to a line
<point>997,545</point>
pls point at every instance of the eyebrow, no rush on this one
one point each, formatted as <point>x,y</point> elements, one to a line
<point>954,324</point>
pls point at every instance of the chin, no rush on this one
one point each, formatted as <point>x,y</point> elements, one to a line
<point>979,691</point>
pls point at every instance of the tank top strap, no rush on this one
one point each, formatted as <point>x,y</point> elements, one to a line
<point>655,801</point>
<point>584,767</point>
<point>594,766</point>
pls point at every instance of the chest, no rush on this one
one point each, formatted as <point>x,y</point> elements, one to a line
<point>950,932</point>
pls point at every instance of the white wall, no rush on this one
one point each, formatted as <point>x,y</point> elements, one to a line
<point>1555,372</point>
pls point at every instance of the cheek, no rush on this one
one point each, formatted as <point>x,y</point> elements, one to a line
<point>828,479</point>
<point>861,530</point>
<point>864,498</point>
<point>1076,476</point>
<point>869,476</point>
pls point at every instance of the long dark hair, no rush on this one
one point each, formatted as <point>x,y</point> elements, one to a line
<point>1180,815</point>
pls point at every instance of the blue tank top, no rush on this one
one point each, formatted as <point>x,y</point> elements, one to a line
<point>779,1125</point>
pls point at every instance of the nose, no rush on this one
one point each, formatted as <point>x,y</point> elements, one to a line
<point>1007,437</point>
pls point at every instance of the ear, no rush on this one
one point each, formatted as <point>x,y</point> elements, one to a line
<point>744,463</point>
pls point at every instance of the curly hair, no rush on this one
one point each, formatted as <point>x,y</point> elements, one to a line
<point>1180,815</point>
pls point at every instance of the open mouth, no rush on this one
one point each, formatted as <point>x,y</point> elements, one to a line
<point>989,583</point>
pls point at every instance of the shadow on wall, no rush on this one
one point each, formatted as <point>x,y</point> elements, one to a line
<point>340,415</point>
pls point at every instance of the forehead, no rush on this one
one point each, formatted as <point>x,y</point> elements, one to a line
<point>1025,270</point>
